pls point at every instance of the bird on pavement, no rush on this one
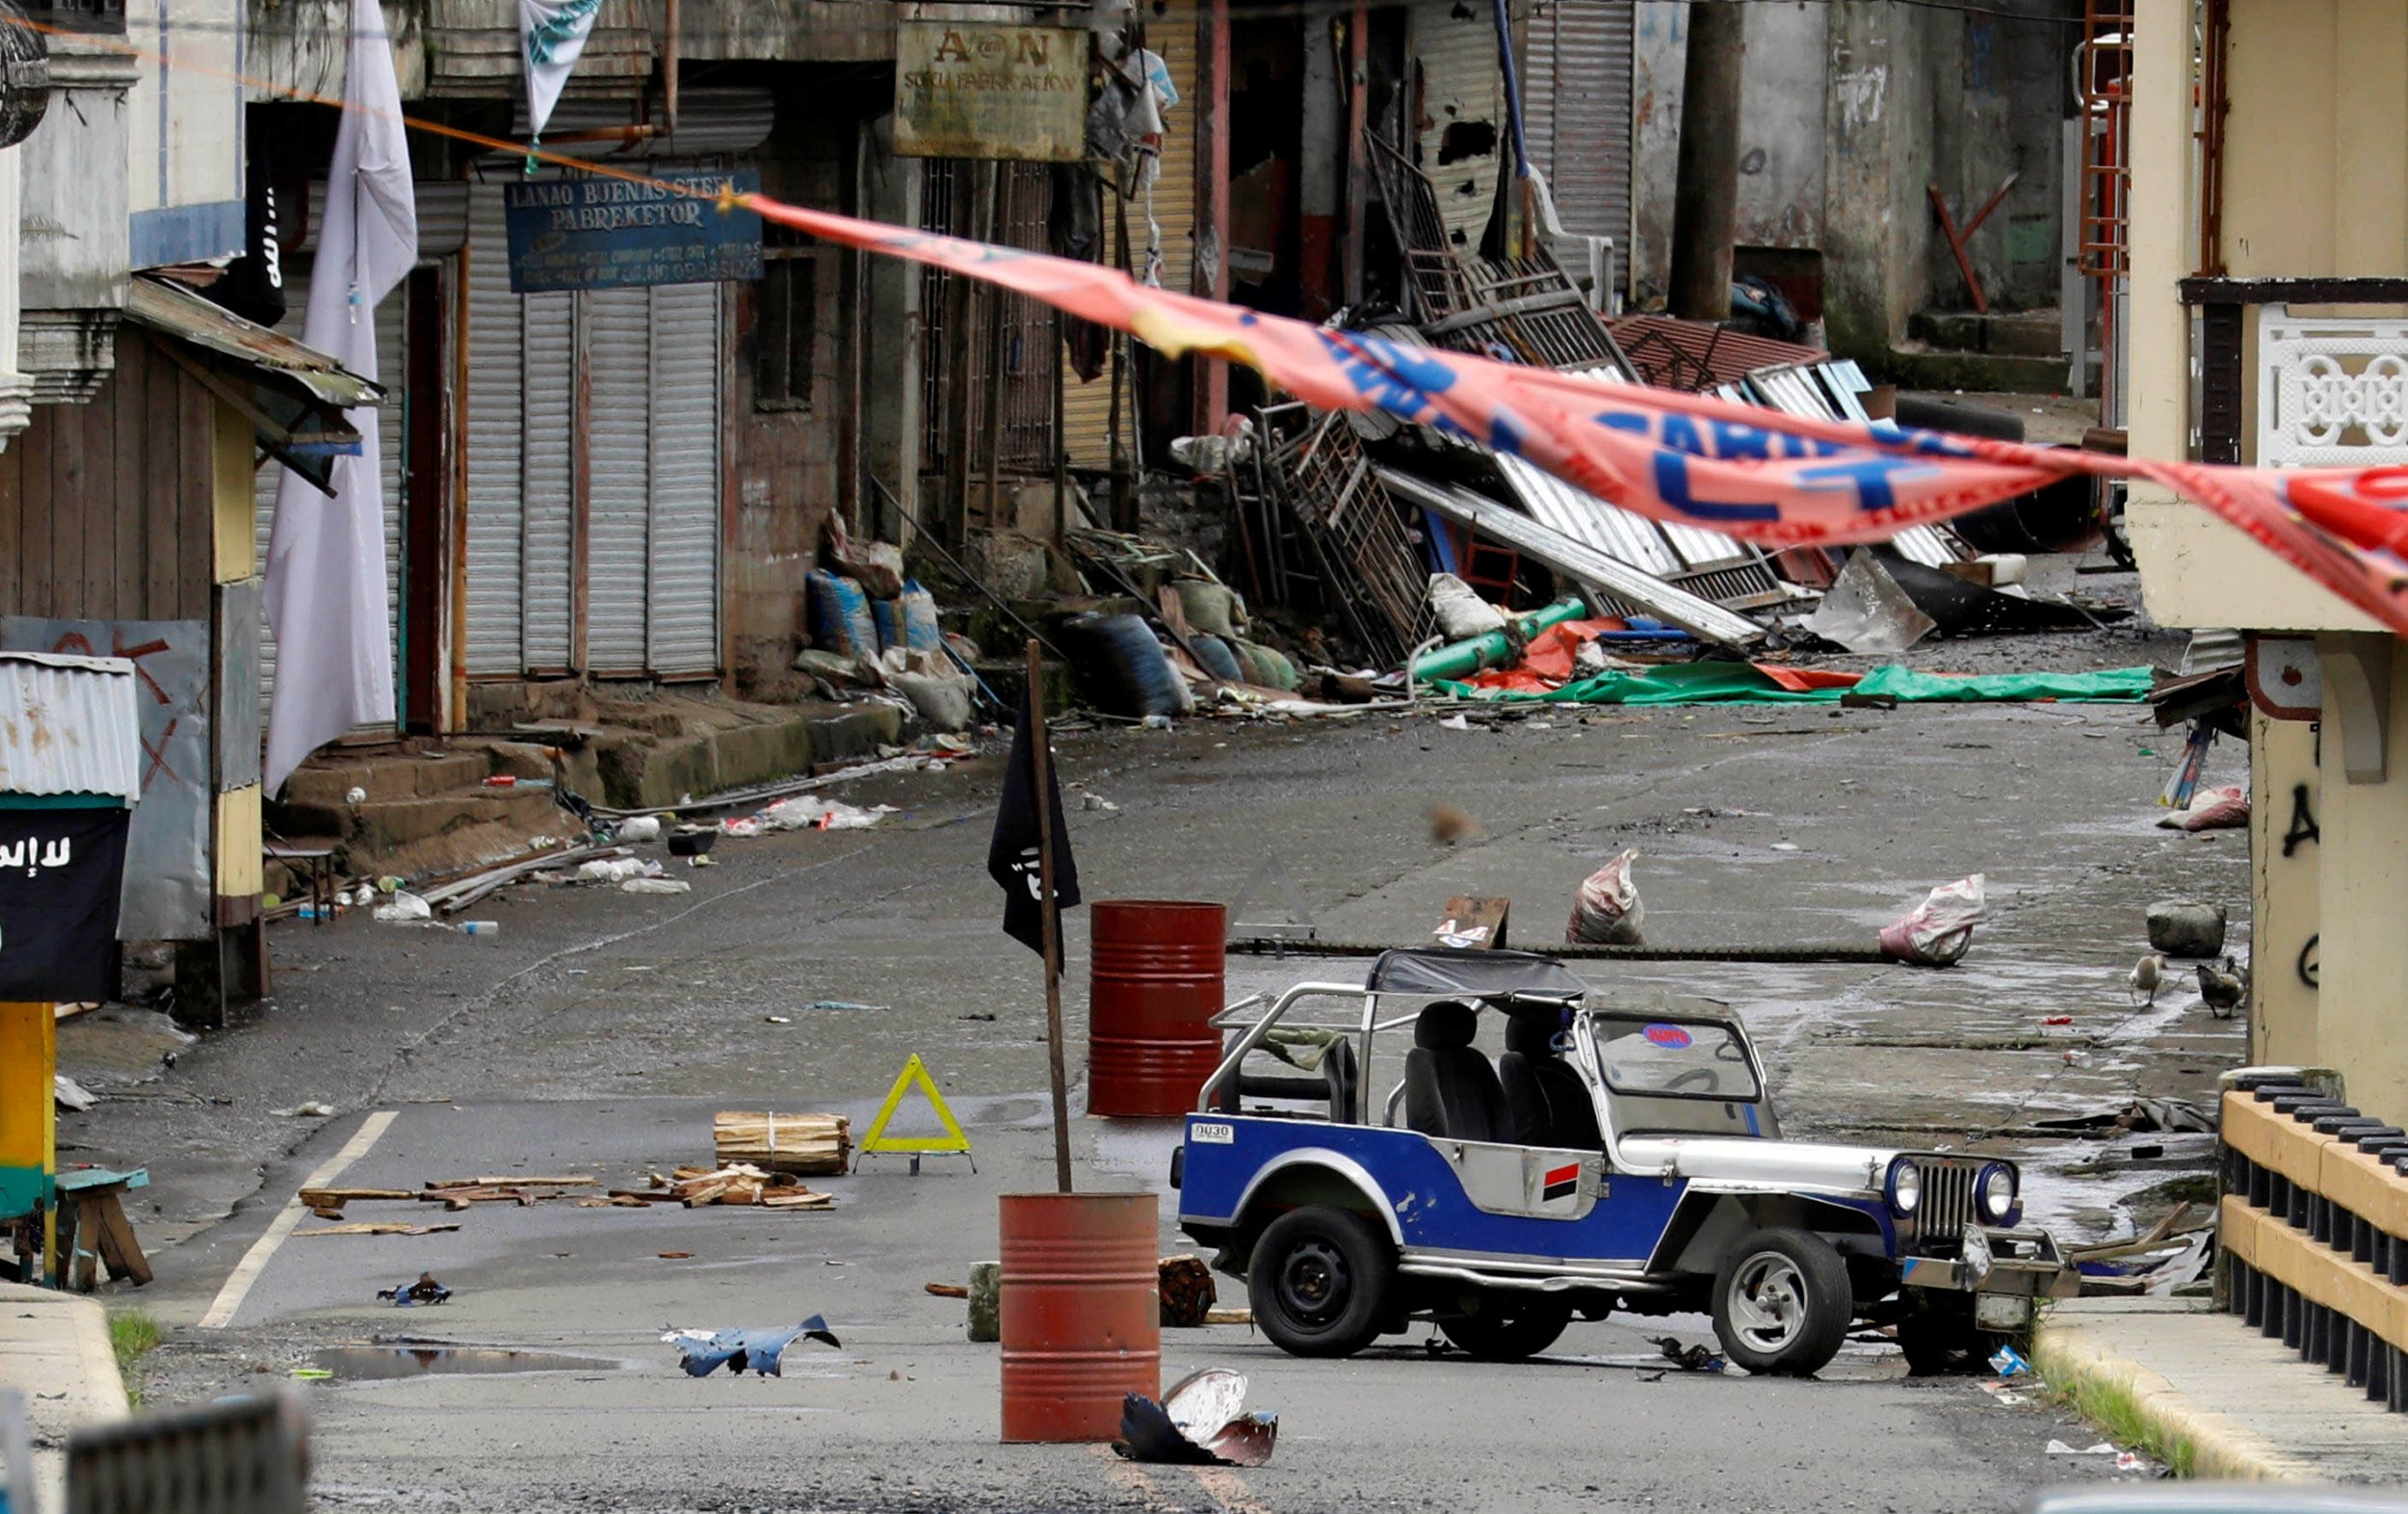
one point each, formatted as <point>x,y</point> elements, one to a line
<point>2147,977</point>
<point>2223,989</point>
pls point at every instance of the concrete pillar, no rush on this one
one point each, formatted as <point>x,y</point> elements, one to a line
<point>2163,213</point>
<point>893,338</point>
<point>16,390</point>
<point>1321,170</point>
<point>2286,857</point>
<point>2363,870</point>
<point>1706,196</point>
<point>29,1121</point>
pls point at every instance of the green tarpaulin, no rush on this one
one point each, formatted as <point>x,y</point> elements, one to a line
<point>1743,683</point>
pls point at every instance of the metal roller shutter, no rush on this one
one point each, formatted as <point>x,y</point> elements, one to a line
<point>548,374</point>
<point>1577,80</point>
<point>1455,46</point>
<point>392,431</point>
<point>495,446</point>
<point>1087,408</point>
<point>682,633</point>
<point>618,437</point>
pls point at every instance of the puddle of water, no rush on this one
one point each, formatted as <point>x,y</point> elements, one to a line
<point>383,1363</point>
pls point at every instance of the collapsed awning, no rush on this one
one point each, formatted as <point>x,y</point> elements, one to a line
<point>294,396</point>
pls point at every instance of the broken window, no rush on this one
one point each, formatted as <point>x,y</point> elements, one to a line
<point>785,319</point>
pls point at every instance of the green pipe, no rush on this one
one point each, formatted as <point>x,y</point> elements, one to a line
<point>1496,649</point>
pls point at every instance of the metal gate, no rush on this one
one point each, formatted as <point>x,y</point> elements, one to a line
<point>495,446</point>
<point>1577,86</point>
<point>618,437</point>
<point>548,542</point>
<point>1461,92</point>
<point>681,597</point>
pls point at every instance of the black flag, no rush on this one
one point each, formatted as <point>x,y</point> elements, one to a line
<point>1012,858</point>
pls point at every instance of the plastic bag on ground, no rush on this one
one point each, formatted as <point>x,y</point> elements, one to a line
<point>639,827</point>
<point>610,869</point>
<point>655,886</point>
<point>942,699</point>
<point>1461,612</point>
<point>2223,808</point>
<point>1606,911</point>
<point>404,910</point>
<point>810,812</point>
<point>1937,931</point>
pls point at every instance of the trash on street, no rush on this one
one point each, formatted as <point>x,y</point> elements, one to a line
<point>426,1291</point>
<point>1201,1421</point>
<point>1936,933</point>
<point>738,1184</point>
<point>1606,911</point>
<point>702,1352</point>
<point>377,1228</point>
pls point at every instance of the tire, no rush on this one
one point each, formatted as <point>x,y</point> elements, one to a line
<point>1320,1281</point>
<point>1782,1303</point>
<point>1510,1329</point>
<point>1936,1341</point>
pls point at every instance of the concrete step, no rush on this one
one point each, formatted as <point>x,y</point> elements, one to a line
<point>368,835</point>
<point>645,771</point>
<point>1913,365</point>
<point>326,779</point>
<point>2004,333</point>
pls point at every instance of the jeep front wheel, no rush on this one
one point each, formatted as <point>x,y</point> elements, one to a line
<point>1783,1304</point>
<point>1320,1280</point>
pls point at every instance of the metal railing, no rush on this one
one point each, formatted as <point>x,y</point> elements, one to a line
<point>2312,1225</point>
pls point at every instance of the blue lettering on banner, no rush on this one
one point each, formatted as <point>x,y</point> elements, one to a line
<point>1672,485</point>
<point>1869,476</point>
<point>1398,379</point>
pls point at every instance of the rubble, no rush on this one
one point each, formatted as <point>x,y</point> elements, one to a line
<point>702,1352</point>
<point>2186,928</point>
<point>1201,1421</point>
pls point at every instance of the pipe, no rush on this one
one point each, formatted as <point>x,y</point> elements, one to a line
<point>1497,648</point>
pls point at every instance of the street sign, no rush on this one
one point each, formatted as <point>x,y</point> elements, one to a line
<point>987,90</point>
<point>592,232</point>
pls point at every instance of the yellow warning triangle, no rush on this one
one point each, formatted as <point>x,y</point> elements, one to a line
<point>915,1073</point>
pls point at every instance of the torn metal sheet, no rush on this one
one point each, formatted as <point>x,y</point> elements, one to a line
<point>1201,1421</point>
<point>1828,392</point>
<point>1586,566</point>
<point>1865,610</point>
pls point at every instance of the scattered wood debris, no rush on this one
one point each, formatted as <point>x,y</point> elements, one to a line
<point>511,1183</point>
<point>813,1145</point>
<point>946,1290</point>
<point>377,1228</point>
<point>337,1198</point>
<point>738,1184</point>
<point>1244,1316</point>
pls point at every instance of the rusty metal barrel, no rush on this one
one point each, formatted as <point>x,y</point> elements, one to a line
<point>1154,985</point>
<point>1082,1312</point>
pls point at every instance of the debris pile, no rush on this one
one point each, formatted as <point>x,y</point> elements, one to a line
<point>1201,1421</point>
<point>762,1351</point>
<point>808,1144</point>
<point>741,1184</point>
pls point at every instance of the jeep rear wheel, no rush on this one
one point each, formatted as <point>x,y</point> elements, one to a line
<point>1783,1304</point>
<point>1508,1329</point>
<point>1320,1280</point>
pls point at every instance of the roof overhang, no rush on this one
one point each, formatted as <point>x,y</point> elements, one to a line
<point>294,395</point>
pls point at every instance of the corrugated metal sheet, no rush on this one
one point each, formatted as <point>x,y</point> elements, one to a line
<point>711,121</point>
<point>619,443</point>
<point>1694,356</point>
<point>1583,564</point>
<point>682,598</point>
<point>442,217</point>
<point>1576,84</point>
<point>496,446</point>
<point>548,546</point>
<point>1826,393</point>
<point>70,726</point>
<point>393,445</point>
<point>1455,46</point>
<point>1087,408</point>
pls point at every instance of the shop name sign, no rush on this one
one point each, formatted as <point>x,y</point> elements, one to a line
<point>603,233</point>
<point>987,90</point>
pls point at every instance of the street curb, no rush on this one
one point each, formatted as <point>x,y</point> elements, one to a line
<point>66,1347</point>
<point>2067,1359</point>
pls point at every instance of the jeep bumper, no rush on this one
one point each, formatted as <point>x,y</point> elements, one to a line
<point>2022,1263</point>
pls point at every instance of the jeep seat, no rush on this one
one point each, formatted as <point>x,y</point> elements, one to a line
<point>1548,1103</point>
<point>1450,1088</point>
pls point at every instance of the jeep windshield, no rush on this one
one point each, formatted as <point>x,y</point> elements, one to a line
<point>1666,1058</point>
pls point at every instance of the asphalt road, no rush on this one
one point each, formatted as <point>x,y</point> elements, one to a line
<point>598,1030</point>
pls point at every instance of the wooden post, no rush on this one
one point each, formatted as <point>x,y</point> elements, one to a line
<point>1042,771</point>
<point>1705,201</point>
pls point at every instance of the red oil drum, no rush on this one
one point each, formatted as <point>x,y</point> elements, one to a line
<point>1155,985</point>
<point>1082,1312</point>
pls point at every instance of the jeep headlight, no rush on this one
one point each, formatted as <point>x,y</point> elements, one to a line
<point>1994,1193</point>
<point>1903,1187</point>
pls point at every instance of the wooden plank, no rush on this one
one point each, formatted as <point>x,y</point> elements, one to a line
<point>336,1197</point>
<point>69,506</point>
<point>2272,1140</point>
<point>158,491</point>
<point>510,1182</point>
<point>36,594</point>
<point>132,450</point>
<point>377,1228</point>
<point>2373,1190</point>
<point>11,519</point>
<point>196,497</point>
<point>119,1247</point>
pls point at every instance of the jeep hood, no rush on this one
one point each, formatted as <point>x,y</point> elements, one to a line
<point>1785,1163</point>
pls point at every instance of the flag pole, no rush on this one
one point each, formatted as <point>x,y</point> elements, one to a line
<point>1041,761</point>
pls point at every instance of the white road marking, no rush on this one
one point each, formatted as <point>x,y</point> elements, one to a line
<point>254,1261</point>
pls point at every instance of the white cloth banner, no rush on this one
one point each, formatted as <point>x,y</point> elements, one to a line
<point>326,593</point>
<point>555,33</point>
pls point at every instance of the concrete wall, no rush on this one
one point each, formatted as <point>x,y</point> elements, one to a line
<point>2286,857</point>
<point>184,182</point>
<point>1850,109</point>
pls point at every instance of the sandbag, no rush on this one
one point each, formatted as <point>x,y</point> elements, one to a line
<point>840,615</point>
<point>942,700</point>
<point>1606,911</point>
<point>1122,668</point>
<point>876,566</point>
<point>920,630</point>
<point>1937,931</point>
<point>1208,607</point>
<point>1265,668</point>
<point>1217,657</point>
<point>1461,612</point>
<point>2225,808</point>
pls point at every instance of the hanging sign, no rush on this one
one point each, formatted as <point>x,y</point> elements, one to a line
<point>989,90</point>
<point>60,872</point>
<point>591,232</point>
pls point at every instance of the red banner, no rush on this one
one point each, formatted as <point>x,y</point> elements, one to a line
<point>1764,476</point>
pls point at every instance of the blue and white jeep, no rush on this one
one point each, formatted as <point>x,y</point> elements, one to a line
<point>1615,1157</point>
